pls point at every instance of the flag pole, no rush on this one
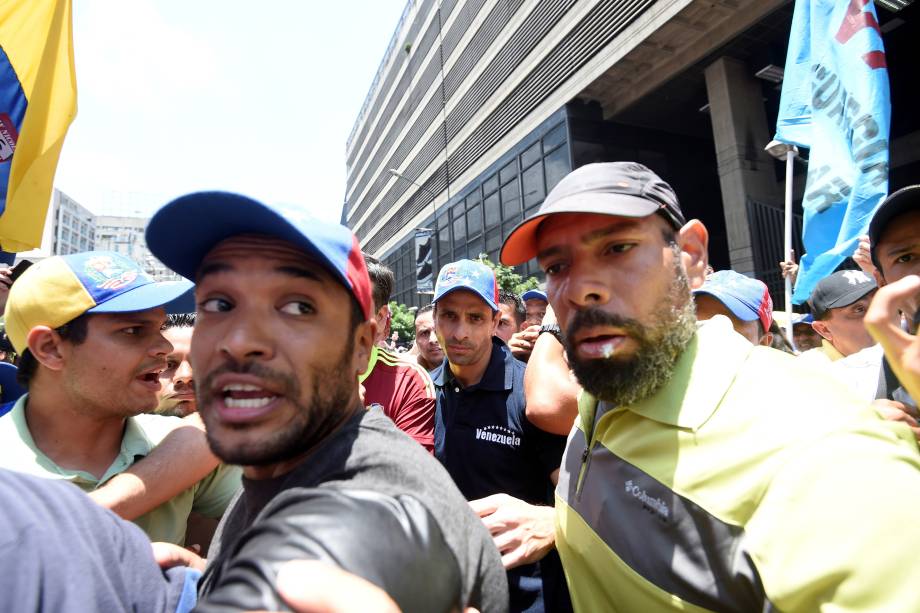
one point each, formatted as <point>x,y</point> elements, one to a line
<point>781,150</point>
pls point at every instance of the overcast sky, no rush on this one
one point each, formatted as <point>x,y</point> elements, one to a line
<point>257,97</point>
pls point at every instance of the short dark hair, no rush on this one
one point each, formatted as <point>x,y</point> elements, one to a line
<point>382,279</point>
<point>517,306</point>
<point>428,308</point>
<point>74,331</point>
<point>179,320</point>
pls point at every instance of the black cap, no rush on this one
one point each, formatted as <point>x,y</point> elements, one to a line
<point>903,200</point>
<point>840,289</point>
<point>626,189</point>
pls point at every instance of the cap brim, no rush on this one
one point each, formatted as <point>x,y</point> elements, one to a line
<point>849,298</point>
<point>534,294</point>
<point>521,244</point>
<point>738,308</point>
<point>174,296</point>
<point>216,216</point>
<point>467,288</point>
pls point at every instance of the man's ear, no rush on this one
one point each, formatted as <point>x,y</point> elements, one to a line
<point>365,335</point>
<point>45,345</point>
<point>693,240</point>
<point>821,328</point>
<point>767,339</point>
<point>496,319</point>
<point>877,275</point>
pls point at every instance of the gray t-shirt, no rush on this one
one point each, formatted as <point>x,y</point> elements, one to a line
<point>372,501</point>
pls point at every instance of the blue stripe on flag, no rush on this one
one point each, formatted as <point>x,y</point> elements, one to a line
<point>13,105</point>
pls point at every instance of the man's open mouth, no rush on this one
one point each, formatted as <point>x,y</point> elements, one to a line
<point>245,396</point>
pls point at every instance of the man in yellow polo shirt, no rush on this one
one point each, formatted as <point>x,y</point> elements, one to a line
<point>88,328</point>
<point>684,485</point>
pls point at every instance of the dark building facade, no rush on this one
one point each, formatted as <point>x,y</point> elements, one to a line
<point>480,107</point>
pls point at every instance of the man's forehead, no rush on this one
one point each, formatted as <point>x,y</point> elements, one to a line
<point>236,251</point>
<point>463,299</point>
<point>588,226</point>
<point>157,314</point>
<point>902,228</point>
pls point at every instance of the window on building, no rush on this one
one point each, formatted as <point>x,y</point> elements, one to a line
<point>557,166</point>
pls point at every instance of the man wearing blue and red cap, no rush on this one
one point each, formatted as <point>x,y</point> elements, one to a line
<point>88,328</point>
<point>745,301</point>
<point>500,461</point>
<point>283,330</point>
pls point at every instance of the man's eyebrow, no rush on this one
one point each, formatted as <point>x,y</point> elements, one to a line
<point>902,248</point>
<point>211,269</point>
<point>299,272</point>
<point>594,235</point>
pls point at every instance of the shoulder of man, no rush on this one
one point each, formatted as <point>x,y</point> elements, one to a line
<point>835,526</point>
<point>408,369</point>
<point>156,427</point>
<point>392,541</point>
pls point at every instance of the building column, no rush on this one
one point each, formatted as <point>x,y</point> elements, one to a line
<point>740,133</point>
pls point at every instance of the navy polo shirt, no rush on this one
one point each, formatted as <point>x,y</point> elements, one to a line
<point>483,437</point>
<point>484,440</point>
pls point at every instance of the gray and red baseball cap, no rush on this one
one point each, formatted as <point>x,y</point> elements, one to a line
<point>624,189</point>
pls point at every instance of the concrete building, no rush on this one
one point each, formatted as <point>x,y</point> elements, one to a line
<point>480,106</point>
<point>74,225</point>
<point>125,235</point>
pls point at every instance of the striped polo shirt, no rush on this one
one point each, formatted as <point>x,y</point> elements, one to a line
<point>403,391</point>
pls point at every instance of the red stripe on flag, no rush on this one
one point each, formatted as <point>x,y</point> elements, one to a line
<point>875,59</point>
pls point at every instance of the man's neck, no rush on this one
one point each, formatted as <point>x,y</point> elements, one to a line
<point>71,438</point>
<point>471,374</point>
<point>283,467</point>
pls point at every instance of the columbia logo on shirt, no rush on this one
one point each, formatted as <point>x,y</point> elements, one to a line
<point>498,434</point>
<point>656,506</point>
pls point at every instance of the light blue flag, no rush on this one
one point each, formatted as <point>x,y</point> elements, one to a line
<point>836,102</point>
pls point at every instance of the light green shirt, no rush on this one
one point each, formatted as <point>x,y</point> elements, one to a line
<point>209,497</point>
<point>750,481</point>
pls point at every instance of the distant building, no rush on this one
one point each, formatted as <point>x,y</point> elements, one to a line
<point>125,235</point>
<point>74,225</point>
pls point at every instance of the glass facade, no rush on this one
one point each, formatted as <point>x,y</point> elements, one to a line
<point>479,218</point>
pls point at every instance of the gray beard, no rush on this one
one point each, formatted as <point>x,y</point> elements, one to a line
<point>625,381</point>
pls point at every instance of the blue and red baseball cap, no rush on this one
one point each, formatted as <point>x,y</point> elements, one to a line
<point>748,299</point>
<point>468,275</point>
<point>534,294</point>
<point>216,216</point>
<point>59,289</point>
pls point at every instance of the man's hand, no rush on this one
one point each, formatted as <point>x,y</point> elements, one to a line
<point>789,268</point>
<point>168,555</point>
<point>523,533</point>
<point>521,343</point>
<point>882,319</point>
<point>892,410</point>
<point>863,256</point>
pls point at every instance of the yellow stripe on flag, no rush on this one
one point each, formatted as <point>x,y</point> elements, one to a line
<point>38,40</point>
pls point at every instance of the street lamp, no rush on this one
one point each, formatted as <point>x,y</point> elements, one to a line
<point>786,151</point>
<point>428,233</point>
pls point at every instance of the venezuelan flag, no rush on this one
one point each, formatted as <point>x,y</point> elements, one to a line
<point>38,101</point>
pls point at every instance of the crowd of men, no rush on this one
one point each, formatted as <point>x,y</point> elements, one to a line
<point>640,435</point>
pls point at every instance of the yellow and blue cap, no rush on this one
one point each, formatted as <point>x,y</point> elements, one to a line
<point>61,288</point>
